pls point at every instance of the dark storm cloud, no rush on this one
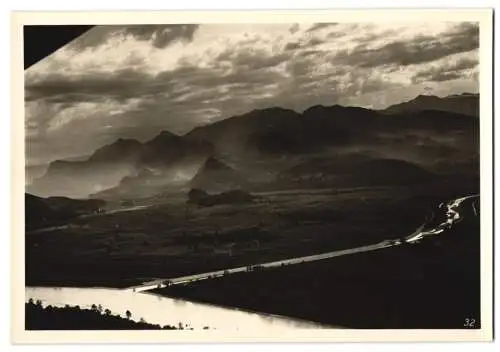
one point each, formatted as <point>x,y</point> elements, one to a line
<point>242,79</point>
<point>251,59</point>
<point>292,46</point>
<point>318,26</point>
<point>259,76</point>
<point>159,35</point>
<point>424,48</point>
<point>307,53</point>
<point>56,93</point>
<point>365,39</point>
<point>180,98</point>
<point>120,85</point>
<point>58,88</point>
<point>314,42</point>
<point>334,35</point>
<point>446,72</point>
<point>439,77</point>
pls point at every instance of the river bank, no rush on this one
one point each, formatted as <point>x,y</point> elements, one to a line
<point>69,317</point>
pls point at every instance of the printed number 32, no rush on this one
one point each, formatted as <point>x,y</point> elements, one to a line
<point>469,323</point>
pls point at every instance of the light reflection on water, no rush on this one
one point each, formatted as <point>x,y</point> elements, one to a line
<point>163,310</point>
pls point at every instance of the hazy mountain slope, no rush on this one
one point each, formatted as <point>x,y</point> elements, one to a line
<point>262,143</point>
<point>123,159</point>
<point>280,131</point>
<point>53,210</point>
<point>77,179</point>
<point>277,130</point>
<point>214,175</point>
<point>167,148</point>
<point>438,140</point>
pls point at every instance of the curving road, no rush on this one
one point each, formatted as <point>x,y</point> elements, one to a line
<point>452,216</point>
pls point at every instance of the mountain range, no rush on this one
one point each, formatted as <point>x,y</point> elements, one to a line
<point>465,103</point>
<point>424,136</point>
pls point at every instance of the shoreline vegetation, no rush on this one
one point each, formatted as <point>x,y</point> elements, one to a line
<point>69,317</point>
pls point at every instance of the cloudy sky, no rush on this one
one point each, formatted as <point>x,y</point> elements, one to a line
<point>134,81</point>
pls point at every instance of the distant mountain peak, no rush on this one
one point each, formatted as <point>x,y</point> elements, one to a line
<point>120,145</point>
<point>464,103</point>
<point>271,109</point>
<point>60,162</point>
<point>214,164</point>
<point>166,133</point>
<point>120,142</point>
<point>126,141</point>
<point>463,95</point>
<point>164,136</point>
<point>315,108</point>
<point>425,96</point>
<point>338,107</point>
<point>215,175</point>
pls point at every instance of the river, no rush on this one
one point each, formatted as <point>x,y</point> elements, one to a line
<point>165,311</point>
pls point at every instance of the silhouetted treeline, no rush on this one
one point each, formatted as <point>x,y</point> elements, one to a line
<point>74,318</point>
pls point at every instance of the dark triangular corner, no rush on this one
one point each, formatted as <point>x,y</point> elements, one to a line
<point>41,41</point>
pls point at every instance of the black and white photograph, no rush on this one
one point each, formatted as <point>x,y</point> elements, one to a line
<point>321,173</point>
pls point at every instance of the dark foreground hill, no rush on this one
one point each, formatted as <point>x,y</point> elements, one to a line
<point>42,212</point>
<point>356,170</point>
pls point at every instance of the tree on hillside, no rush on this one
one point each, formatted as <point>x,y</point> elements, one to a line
<point>128,314</point>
